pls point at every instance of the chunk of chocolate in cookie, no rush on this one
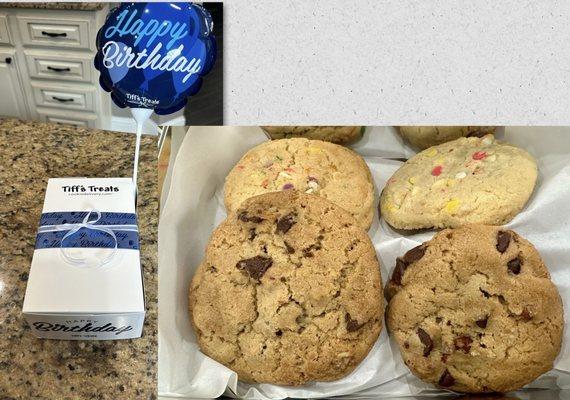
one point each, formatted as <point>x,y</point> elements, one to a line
<point>351,324</point>
<point>482,323</point>
<point>399,271</point>
<point>289,248</point>
<point>256,266</point>
<point>414,254</point>
<point>426,340</point>
<point>463,343</point>
<point>402,263</point>
<point>285,223</point>
<point>446,379</point>
<point>503,241</point>
<point>526,315</point>
<point>252,234</point>
<point>244,217</point>
<point>514,266</point>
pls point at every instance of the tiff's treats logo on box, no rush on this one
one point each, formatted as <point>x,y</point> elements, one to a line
<point>89,189</point>
<point>87,327</point>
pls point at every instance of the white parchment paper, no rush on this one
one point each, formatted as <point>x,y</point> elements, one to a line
<point>194,207</point>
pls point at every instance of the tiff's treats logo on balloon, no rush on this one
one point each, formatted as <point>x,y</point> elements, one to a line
<point>153,55</point>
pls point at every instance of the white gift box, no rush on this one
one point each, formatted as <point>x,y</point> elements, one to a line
<point>85,281</point>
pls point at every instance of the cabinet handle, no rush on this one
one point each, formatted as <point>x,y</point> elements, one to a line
<point>55,69</point>
<point>62,100</point>
<point>51,34</point>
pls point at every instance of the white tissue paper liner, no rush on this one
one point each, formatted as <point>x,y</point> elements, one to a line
<point>194,207</point>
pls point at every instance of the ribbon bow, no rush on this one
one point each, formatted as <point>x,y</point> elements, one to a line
<point>87,224</point>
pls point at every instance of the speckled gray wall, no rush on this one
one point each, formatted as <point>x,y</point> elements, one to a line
<point>397,62</point>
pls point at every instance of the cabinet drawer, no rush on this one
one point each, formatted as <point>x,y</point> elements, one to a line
<point>80,119</point>
<point>64,96</point>
<point>41,31</point>
<point>59,66</point>
<point>4,32</point>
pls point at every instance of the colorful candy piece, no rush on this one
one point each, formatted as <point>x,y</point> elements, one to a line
<point>288,186</point>
<point>436,171</point>
<point>431,152</point>
<point>479,155</point>
<point>452,205</point>
<point>314,150</point>
<point>391,207</point>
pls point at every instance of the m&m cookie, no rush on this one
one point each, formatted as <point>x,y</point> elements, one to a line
<point>468,180</point>
<point>309,166</point>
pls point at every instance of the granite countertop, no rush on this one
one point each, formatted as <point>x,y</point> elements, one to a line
<point>34,368</point>
<point>57,6</point>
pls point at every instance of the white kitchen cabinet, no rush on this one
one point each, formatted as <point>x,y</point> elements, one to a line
<point>44,64</point>
<point>44,31</point>
<point>11,101</point>
<point>4,32</point>
<point>81,119</point>
<point>51,76</point>
<point>64,95</point>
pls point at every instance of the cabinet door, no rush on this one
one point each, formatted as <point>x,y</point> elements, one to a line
<point>12,96</point>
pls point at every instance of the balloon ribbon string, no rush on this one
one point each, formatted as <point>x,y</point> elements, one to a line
<point>137,152</point>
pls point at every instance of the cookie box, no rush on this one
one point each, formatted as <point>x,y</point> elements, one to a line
<point>85,281</point>
<point>194,206</point>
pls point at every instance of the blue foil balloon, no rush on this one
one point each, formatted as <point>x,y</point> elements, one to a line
<point>153,55</point>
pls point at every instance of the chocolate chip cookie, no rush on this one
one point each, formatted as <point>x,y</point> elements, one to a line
<point>423,137</point>
<point>334,134</point>
<point>468,180</point>
<point>289,291</point>
<point>474,310</point>
<point>310,166</point>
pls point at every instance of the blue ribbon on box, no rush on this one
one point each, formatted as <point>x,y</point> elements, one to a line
<point>78,229</point>
<point>75,217</point>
